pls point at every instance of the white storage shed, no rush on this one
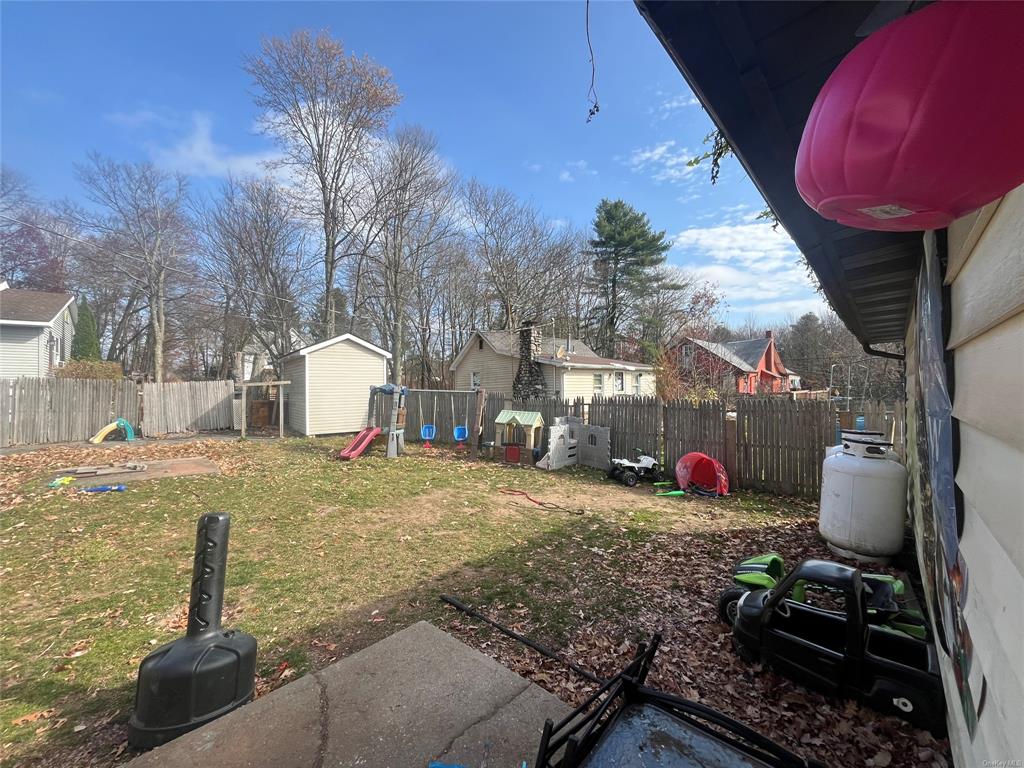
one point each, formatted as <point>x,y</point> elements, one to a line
<point>330,384</point>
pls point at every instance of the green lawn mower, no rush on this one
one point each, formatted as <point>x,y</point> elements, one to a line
<point>889,600</point>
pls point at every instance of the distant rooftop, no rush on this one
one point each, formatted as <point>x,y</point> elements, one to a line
<point>21,306</point>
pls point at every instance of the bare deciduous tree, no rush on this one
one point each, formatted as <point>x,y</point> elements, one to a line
<point>415,193</point>
<point>140,210</point>
<point>324,107</point>
<point>255,246</point>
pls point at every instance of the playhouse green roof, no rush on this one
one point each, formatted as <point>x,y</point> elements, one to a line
<point>521,418</point>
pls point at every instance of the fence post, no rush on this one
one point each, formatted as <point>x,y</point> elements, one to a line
<point>477,429</point>
<point>729,448</point>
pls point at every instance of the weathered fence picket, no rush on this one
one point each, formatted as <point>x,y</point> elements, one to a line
<point>186,406</point>
<point>635,422</point>
<point>692,426</point>
<point>781,443</point>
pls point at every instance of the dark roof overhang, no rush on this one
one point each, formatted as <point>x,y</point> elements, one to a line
<point>757,68</point>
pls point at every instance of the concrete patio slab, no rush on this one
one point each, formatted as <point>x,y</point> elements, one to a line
<point>417,696</point>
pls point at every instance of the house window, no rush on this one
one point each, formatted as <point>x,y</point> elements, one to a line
<point>687,356</point>
<point>480,343</point>
<point>592,439</point>
<point>743,384</point>
<point>636,384</point>
<point>620,381</point>
<point>598,384</point>
<point>474,380</point>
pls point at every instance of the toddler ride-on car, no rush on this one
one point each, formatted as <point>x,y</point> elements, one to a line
<point>889,601</point>
<point>841,652</point>
<point>629,472</point>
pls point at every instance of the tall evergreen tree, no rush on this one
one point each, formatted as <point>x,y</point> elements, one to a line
<point>627,256</point>
<point>86,344</point>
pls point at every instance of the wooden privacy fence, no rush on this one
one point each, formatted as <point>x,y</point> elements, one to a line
<point>442,408</point>
<point>51,410</point>
<point>635,422</point>
<point>690,426</point>
<point>187,406</point>
<point>780,444</point>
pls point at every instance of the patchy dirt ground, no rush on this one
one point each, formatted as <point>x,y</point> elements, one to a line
<point>328,557</point>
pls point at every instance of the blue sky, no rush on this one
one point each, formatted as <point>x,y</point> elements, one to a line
<point>503,85</point>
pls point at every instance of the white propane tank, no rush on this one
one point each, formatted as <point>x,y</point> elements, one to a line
<point>858,434</point>
<point>863,501</point>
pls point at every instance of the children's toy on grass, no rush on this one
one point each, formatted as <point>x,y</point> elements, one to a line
<point>630,471</point>
<point>846,651</point>
<point>121,426</point>
<point>207,673</point>
<point>699,473</point>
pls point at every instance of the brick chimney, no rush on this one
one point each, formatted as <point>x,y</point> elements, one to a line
<point>529,380</point>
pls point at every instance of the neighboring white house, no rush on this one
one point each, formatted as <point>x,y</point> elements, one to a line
<point>36,329</point>
<point>253,359</point>
<point>570,369</point>
<point>330,384</point>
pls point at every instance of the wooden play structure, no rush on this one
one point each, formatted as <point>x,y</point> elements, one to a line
<point>519,432</point>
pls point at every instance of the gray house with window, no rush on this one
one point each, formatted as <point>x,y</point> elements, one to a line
<point>36,329</point>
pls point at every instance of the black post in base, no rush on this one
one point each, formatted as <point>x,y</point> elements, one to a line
<point>209,672</point>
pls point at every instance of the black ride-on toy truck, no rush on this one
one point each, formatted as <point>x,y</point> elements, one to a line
<point>841,651</point>
<point>890,601</point>
<point>630,471</point>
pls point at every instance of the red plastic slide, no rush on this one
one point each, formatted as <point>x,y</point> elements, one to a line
<point>361,443</point>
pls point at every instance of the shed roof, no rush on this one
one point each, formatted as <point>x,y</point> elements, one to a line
<point>520,418</point>
<point>21,307</point>
<point>757,69</point>
<point>336,340</point>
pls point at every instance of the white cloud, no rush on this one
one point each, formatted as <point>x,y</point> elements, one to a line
<point>533,167</point>
<point>575,169</point>
<point>669,104</point>
<point>756,268</point>
<point>663,162</point>
<point>197,154</point>
<point>136,118</point>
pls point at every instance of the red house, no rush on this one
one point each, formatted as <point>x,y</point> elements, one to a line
<point>753,366</point>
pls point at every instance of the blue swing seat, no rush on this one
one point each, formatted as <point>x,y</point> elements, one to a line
<point>461,433</point>
<point>427,432</point>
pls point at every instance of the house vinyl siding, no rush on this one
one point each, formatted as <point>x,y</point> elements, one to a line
<point>986,276</point>
<point>294,370</point>
<point>579,382</point>
<point>497,372</point>
<point>340,377</point>
<point>23,350</point>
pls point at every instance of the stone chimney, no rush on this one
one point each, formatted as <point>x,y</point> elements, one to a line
<point>529,380</point>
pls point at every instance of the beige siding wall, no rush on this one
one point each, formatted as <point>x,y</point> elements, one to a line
<point>340,377</point>
<point>294,370</point>
<point>986,273</point>
<point>496,371</point>
<point>23,350</point>
<point>579,382</point>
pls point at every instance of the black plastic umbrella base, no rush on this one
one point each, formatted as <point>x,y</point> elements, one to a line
<point>140,737</point>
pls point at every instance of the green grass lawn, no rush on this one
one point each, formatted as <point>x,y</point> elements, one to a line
<point>327,557</point>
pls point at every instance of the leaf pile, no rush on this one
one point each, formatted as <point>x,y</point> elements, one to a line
<point>674,580</point>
